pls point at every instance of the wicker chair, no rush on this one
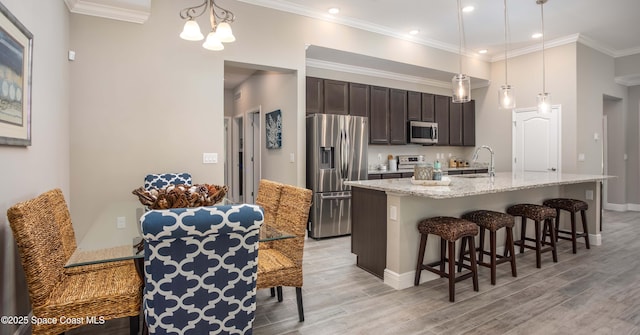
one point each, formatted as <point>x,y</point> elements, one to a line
<point>281,265</point>
<point>200,269</point>
<point>105,294</point>
<point>268,198</point>
<point>162,180</point>
<point>68,237</point>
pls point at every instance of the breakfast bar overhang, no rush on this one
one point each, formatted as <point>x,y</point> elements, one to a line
<point>385,213</point>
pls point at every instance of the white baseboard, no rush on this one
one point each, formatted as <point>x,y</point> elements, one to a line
<point>622,207</point>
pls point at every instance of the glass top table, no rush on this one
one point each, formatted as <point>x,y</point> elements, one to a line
<point>115,235</point>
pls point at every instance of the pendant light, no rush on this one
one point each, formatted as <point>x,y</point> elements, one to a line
<point>544,98</point>
<point>506,94</point>
<point>461,82</point>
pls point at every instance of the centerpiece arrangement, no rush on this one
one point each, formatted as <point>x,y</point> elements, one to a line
<point>180,196</point>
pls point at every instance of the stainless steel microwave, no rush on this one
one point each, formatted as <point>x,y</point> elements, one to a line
<point>423,132</point>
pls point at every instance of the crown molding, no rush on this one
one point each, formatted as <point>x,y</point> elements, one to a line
<point>630,80</point>
<point>137,11</point>
<point>321,64</point>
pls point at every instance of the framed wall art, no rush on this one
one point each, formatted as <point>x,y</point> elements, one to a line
<point>16,44</point>
<point>274,129</point>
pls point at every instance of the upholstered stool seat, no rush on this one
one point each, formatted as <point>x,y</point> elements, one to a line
<point>572,206</point>
<point>537,213</point>
<point>449,229</point>
<point>493,221</point>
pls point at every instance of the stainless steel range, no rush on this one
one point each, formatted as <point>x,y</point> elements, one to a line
<point>409,161</point>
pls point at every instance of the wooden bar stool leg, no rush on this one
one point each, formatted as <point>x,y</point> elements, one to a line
<point>423,246</point>
<point>452,272</point>
<point>463,245</point>
<point>539,245</point>
<point>509,246</point>
<point>481,247</point>
<point>523,232</point>
<point>492,242</point>
<point>585,229</point>
<point>554,237</point>
<point>474,265</point>
<point>443,252</point>
<point>573,232</point>
<point>557,222</point>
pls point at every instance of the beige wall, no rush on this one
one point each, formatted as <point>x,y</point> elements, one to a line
<point>27,172</point>
<point>271,91</point>
<point>628,65</point>
<point>493,125</point>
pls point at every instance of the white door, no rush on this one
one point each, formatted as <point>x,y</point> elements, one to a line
<point>536,140</point>
<point>252,155</point>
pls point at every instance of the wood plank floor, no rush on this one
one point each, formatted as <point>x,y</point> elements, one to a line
<point>596,291</point>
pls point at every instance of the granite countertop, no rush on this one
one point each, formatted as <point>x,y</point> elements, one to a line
<point>476,184</point>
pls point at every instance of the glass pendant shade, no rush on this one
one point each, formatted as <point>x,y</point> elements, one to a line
<point>191,31</point>
<point>507,97</point>
<point>544,102</point>
<point>461,88</point>
<point>212,42</point>
<point>224,33</point>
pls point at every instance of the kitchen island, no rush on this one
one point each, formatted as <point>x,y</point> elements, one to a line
<point>385,213</point>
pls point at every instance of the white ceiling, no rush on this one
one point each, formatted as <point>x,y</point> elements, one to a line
<point>609,26</point>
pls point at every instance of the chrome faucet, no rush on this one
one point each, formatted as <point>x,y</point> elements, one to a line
<point>492,168</point>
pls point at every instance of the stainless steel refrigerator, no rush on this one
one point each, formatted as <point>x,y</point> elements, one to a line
<point>336,152</point>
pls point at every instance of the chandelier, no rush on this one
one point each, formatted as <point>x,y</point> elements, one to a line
<point>506,94</point>
<point>220,27</point>
<point>461,82</point>
<point>544,98</point>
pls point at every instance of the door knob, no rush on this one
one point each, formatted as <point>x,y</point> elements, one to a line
<point>552,169</point>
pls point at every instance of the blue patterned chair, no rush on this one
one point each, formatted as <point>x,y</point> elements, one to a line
<point>201,269</point>
<point>162,180</point>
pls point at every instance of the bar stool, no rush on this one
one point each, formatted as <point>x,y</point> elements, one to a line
<point>449,229</point>
<point>492,221</point>
<point>572,206</point>
<point>537,213</point>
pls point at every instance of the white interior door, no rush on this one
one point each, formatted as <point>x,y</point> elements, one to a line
<point>536,140</point>
<point>252,155</point>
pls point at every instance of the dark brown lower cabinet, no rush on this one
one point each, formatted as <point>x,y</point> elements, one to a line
<point>369,229</point>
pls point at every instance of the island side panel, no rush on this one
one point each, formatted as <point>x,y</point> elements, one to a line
<point>402,245</point>
<point>594,213</point>
<point>369,229</point>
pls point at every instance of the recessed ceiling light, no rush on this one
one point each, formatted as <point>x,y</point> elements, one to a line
<point>468,9</point>
<point>414,32</point>
<point>483,51</point>
<point>536,35</point>
<point>334,10</point>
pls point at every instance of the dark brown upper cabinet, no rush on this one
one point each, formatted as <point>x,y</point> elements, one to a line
<point>469,123</point>
<point>315,96</point>
<point>455,124</point>
<point>336,97</point>
<point>414,106</point>
<point>397,116</point>
<point>428,107</point>
<point>359,99</point>
<point>441,106</point>
<point>379,115</point>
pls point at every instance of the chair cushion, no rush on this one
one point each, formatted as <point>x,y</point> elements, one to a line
<point>489,219</point>
<point>571,205</point>
<point>449,228</point>
<point>162,180</point>
<point>532,211</point>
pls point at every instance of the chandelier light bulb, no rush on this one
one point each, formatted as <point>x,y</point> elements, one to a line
<point>544,102</point>
<point>191,31</point>
<point>225,35</point>
<point>212,42</point>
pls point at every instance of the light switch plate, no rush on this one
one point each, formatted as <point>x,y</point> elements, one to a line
<point>209,158</point>
<point>121,222</point>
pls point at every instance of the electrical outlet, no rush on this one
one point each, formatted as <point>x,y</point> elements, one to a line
<point>292,157</point>
<point>121,222</point>
<point>589,194</point>
<point>393,213</point>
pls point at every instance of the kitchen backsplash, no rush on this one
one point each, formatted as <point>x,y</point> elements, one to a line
<point>429,152</point>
